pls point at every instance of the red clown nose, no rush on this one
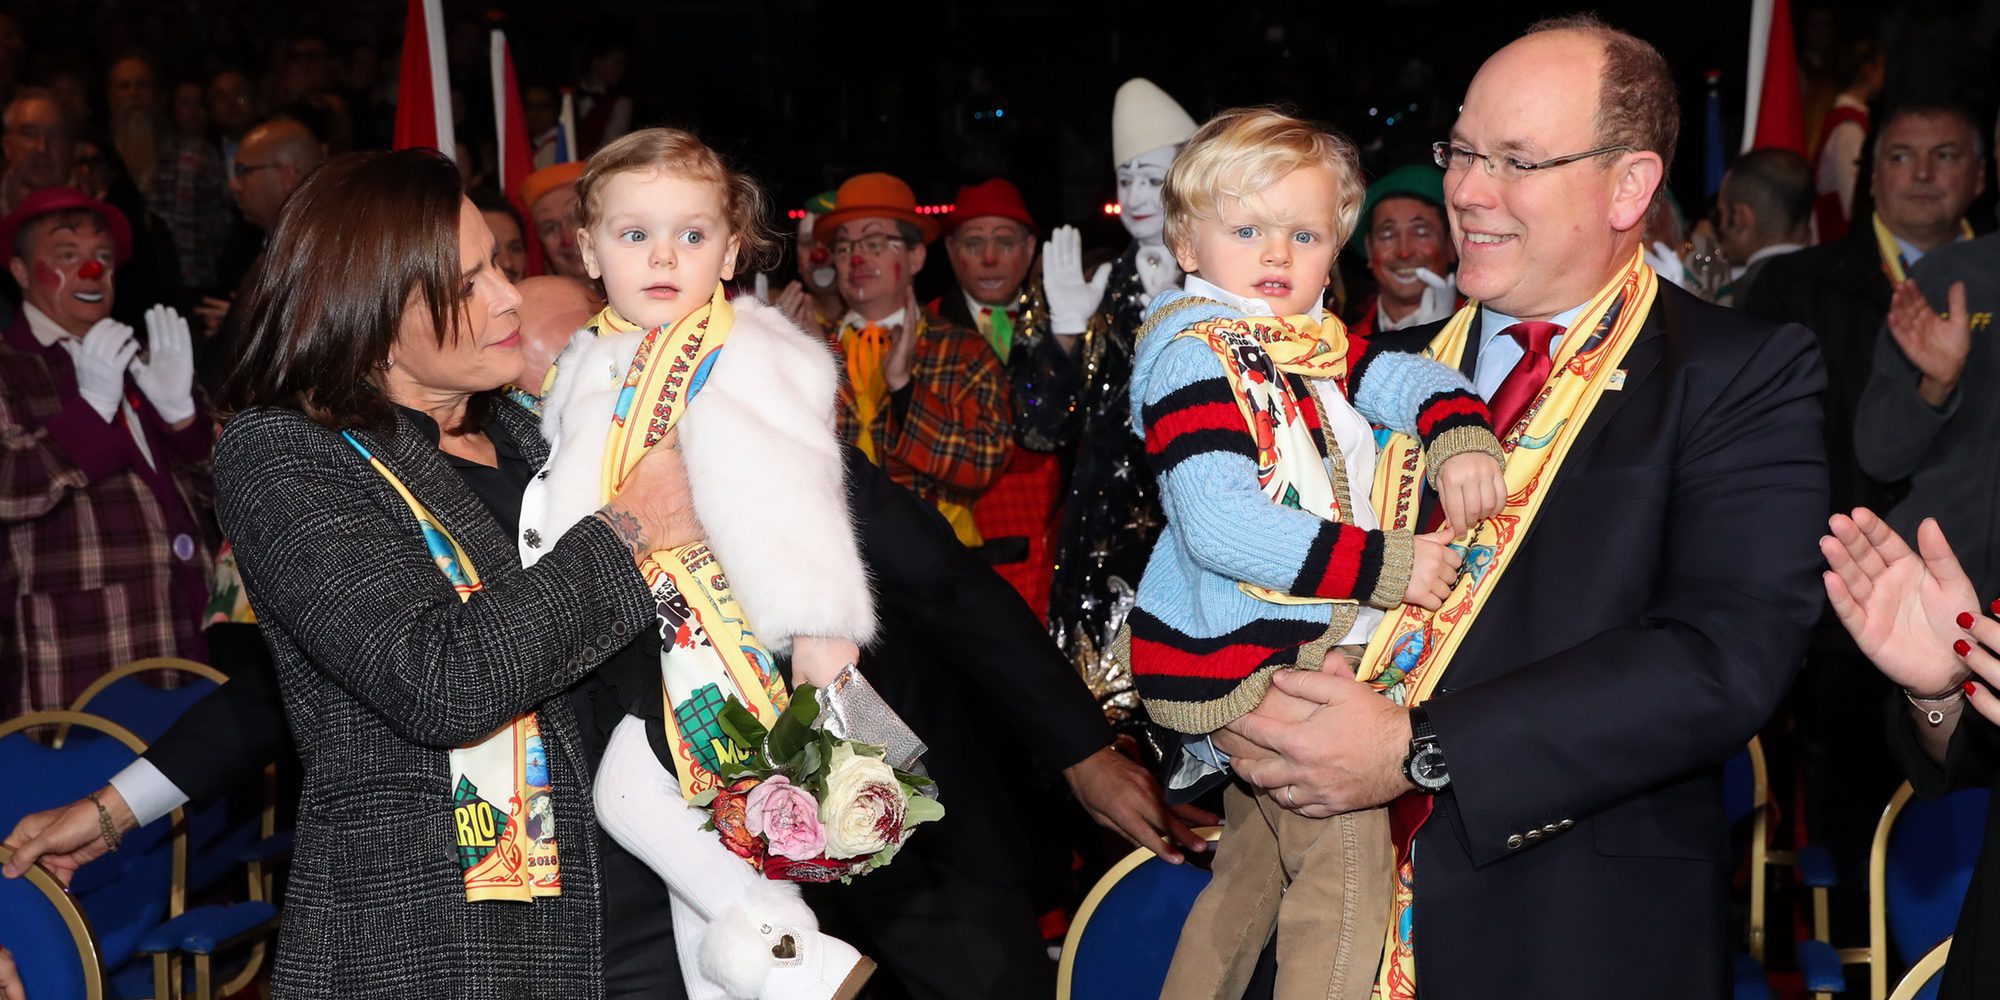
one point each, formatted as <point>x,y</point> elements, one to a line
<point>91,270</point>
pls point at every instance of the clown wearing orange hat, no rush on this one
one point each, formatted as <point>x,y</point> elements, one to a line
<point>925,398</point>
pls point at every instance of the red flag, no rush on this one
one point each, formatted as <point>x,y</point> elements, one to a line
<point>423,94</point>
<point>1774,115</point>
<point>517,156</point>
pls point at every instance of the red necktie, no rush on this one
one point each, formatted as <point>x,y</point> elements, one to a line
<point>1530,373</point>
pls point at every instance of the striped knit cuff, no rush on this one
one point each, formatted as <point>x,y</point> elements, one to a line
<point>1456,442</point>
<point>1399,560</point>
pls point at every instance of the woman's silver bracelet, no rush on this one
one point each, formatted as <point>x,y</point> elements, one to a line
<point>1934,716</point>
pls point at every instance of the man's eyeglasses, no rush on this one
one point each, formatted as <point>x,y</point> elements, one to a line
<point>872,246</point>
<point>240,170</point>
<point>976,246</point>
<point>1452,156</point>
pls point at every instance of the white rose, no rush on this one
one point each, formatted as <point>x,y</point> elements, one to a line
<point>864,806</point>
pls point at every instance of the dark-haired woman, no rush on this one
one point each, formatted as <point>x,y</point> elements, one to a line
<point>370,480</point>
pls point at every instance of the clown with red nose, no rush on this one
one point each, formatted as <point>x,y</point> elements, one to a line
<point>104,510</point>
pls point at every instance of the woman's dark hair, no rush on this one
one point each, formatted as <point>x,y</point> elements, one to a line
<point>365,237</point>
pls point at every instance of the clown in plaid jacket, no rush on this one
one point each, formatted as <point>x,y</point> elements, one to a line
<point>948,433</point>
<point>107,556</point>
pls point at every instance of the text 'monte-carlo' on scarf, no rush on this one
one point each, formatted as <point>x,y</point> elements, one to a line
<point>708,651</point>
<point>502,806</point>
<point>1408,655</point>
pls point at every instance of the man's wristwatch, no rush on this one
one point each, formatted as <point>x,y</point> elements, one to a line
<point>1425,765</point>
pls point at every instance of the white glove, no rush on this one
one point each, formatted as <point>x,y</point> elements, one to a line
<point>1073,299</point>
<point>100,359</point>
<point>1667,264</point>
<point>1440,298</point>
<point>1158,270</point>
<point>166,374</point>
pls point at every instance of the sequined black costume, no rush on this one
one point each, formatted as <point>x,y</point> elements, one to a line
<point>1111,513</point>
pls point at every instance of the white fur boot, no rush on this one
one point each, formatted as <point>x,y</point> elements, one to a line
<point>739,935</point>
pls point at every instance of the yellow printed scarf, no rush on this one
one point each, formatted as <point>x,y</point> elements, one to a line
<point>1892,253</point>
<point>503,809</point>
<point>1255,352</point>
<point>708,651</point>
<point>1408,655</point>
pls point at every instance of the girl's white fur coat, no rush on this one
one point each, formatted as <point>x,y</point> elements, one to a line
<point>763,463</point>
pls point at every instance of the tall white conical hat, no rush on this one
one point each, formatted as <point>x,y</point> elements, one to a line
<point>1144,118</point>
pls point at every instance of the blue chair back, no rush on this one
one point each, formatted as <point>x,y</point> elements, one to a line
<point>1739,787</point>
<point>1932,851</point>
<point>127,893</point>
<point>53,948</point>
<point>132,697</point>
<point>1124,936</point>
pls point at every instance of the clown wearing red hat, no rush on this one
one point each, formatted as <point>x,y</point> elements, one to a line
<point>106,464</point>
<point>990,239</point>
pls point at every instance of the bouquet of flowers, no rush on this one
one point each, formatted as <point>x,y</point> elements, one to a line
<point>806,805</point>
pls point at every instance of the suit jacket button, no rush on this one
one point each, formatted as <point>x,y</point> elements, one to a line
<point>1566,824</point>
<point>603,642</point>
<point>1552,829</point>
<point>1514,842</point>
<point>1534,835</point>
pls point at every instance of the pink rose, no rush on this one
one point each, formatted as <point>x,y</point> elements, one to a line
<point>787,817</point>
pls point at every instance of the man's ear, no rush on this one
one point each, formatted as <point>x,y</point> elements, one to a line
<point>918,254</point>
<point>729,257</point>
<point>588,251</point>
<point>1637,178</point>
<point>19,269</point>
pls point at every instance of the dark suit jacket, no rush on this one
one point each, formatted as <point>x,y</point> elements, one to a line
<point>1838,291</point>
<point>1651,622</point>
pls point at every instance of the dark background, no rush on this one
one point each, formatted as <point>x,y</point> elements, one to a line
<point>805,93</point>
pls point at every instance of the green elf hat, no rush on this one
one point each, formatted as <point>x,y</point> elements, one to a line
<point>819,204</point>
<point>1422,181</point>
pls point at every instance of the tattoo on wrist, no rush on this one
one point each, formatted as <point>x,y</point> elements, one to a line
<point>628,530</point>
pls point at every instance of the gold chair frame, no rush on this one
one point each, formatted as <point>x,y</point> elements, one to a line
<point>73,917</point>
<point>1930,965</point>
<point>151,664</point>
<point>1139,856</point>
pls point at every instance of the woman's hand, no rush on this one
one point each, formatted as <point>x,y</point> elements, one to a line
<point>1472,486</point>
<point>1985,637</point>
<point>654,511</point>
<point>1902,607</point>
<point>817,660</point>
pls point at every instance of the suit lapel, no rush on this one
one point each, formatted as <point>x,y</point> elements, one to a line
<point>1639,361</point>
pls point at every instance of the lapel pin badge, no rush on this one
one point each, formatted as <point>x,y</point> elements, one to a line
<point>1616,381</point>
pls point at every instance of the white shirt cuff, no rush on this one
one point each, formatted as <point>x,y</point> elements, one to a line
<point>147,792</point>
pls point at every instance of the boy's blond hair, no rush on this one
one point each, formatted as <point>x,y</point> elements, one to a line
<point>745,207</point>
<point>1243,151</point>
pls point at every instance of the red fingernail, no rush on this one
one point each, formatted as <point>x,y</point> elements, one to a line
<point>1968,688</point>
<point>1995,606</point>
<point>1961,647</point>
<point>1965,619</point>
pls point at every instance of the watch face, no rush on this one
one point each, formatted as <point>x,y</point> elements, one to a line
<point>1427,769</point>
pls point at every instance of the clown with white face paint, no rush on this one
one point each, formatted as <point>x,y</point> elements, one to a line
<point>1071,389</point>
<point>106,456</point>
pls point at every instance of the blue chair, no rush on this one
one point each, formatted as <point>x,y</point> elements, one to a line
<point>53,947</point>
<point>1123,938</point>
<point>123,696</point>
<point>1922,981</point>
<point>1918,870</point>
<point>128,893</point>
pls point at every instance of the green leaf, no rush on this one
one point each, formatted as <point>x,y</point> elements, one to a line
<point>789,733</point>
<point>809,760</point>
<point>703,798</point>
<point>922,810</point>
<point>740,725</point>
<point>805,704</point>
